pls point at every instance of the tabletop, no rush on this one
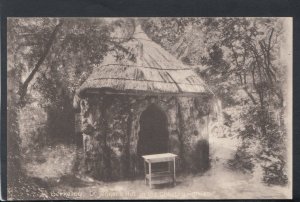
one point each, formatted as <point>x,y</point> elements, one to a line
<point>159,157</point>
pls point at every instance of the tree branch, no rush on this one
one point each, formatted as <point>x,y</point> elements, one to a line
<point>24,86</point>
<point>250,95</point>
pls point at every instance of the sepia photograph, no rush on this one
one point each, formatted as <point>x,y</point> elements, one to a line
<point>149,108</point>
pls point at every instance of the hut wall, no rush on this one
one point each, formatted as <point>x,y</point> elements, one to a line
<point>194,119</point>
<point>111,126</point>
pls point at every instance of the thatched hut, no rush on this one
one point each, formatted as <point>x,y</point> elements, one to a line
<point>153,104</point>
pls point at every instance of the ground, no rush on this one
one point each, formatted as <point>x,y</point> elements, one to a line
<point>209,186</point>
<point>218,183</point>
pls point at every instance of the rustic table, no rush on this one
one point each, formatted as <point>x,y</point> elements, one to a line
<point>159,177</point>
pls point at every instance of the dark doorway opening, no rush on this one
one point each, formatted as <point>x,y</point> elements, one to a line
<point>153,135</point>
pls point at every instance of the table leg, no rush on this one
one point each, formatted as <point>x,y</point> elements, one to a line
<point>170,169</point>
<point>150,175</point>
<point>174,178</point>
<point>145,169</point>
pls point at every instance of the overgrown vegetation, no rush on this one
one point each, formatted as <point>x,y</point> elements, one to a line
<point>49,58</point>
<point>241,59</point>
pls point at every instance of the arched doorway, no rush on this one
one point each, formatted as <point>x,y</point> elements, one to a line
<point>153,134</point>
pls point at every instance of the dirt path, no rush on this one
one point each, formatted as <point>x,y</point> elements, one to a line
<point>217,183</point>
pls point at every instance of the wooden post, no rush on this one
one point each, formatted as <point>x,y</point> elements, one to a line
<point>145,169</point>
<point>150,175</point>
<point>174,177</point>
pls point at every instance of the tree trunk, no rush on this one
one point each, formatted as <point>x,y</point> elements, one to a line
<point>23,88</point>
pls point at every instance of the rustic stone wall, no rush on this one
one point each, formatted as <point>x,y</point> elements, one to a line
<point>111,126</point>
<point>195,117</point>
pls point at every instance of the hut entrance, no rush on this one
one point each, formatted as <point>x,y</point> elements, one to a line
<point>153,135</point>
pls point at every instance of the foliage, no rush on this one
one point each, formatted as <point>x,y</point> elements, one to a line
<point>242,160</point>
<point>239,59</point>
<point>49,58</point>
<point>252,51</point>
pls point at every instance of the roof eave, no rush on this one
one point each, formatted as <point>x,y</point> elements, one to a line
<point>111,91</point>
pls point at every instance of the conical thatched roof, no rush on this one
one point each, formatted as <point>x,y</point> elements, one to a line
<point>154,71</point>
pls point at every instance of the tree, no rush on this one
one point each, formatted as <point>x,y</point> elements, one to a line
<point>17,43</point>
<point>252,51</point>
<point>48,59</point>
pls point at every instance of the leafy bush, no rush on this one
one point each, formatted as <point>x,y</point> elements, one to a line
<point>242,161</point>
<point>265,150</point>
<point>275,174</point>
